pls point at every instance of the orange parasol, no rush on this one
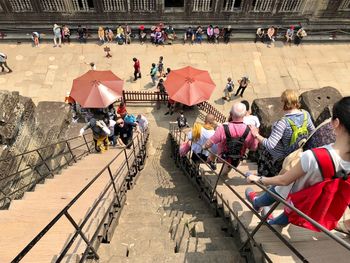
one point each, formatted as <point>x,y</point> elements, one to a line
<point>97,89</point>
<point>189,85</point>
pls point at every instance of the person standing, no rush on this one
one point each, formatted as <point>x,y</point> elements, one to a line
<point>182,121</point>
<point>233,139</point>
<point>228,89</point>
<point>57,35</point>
<point>100,133</point>
<point>3,59</point>
<point>199,135</point>
<point>161,90</point>
<point>66,34</point>
<point>243,84</point>
<point>227,34</point>
<point>36,39</point>
<point>137,69</point>
<point>153,73</point>
<point>160,66</point>
<point>101,35</point>
<point>124,132</point>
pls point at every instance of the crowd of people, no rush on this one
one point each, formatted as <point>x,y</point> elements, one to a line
<point>161,34</point>
<point>114,126</point>
<point>288,162</point>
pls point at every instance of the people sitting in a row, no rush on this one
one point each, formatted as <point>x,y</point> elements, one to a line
<point>213,34</point>
<point>293,34</point>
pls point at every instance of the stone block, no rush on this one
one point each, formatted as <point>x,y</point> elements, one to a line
<point>319,103</point>
<point>268,110</point>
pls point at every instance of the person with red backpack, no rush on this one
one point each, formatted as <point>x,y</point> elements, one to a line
<point>319,184</point>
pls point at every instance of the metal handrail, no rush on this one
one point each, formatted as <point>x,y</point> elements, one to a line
<point>39,163</point>
<point>64,211</point>
<point>278,199</point>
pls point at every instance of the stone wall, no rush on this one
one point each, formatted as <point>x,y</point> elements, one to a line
<point>25,127</point>
<point>247,13</point>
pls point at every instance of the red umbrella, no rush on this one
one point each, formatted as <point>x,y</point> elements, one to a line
<point>189,85</point>
<point>97,89</point>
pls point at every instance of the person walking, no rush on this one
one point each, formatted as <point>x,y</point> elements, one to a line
<point>161,90</point>
<point>228,89</point>
<point>160,66</point>
<point>57,35</point>
<point>3,62</point>
<point>153,73</point>
<point>233,139</point>
<point>243,84</point>
<point>137,69</point>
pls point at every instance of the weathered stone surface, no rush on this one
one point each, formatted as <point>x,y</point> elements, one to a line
<point>268,110</point>
<point>25,127</point>
<point>319,103</point>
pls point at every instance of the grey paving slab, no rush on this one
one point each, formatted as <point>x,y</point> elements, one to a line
<point>46,73</point>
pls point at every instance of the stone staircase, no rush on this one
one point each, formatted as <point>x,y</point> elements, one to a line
<point>25,218</point>
<point>165,220</point>
<point>303,240</point>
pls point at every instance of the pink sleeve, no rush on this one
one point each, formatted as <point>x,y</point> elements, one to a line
<point>218,135</point>
<point>252,143</point>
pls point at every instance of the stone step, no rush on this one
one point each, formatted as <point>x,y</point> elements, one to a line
<point>199,244</point>
<point>222,256</point>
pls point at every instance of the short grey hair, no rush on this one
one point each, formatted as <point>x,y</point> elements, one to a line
<point>238,110</point>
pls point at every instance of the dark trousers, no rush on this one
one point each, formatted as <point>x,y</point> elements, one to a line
<point>260,38</point>
<point>137,74</point>
<point>241,89</point>
<point>2,64</point>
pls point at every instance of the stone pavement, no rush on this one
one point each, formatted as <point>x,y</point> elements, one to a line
<point>46,73</point>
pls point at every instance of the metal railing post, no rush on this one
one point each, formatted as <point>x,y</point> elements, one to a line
<point>77,228</point>
<point>70,150</point>
<point>87,145</point>
<point>127,161</point>
<point>46,165</point>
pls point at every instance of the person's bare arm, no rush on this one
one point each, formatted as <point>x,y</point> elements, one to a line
<point>282,179</point>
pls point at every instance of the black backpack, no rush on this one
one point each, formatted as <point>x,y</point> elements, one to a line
<point>234,145</point>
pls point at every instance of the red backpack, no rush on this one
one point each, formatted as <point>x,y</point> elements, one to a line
<point>326,201</point>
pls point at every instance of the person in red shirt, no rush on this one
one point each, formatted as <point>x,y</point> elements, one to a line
<point>121,110</point>
<point>137,69</point>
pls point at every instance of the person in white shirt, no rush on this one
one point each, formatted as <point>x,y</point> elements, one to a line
<point>142,122</point>
<point>3,63</point>
<point>198,135</point>
<point>250,119</point>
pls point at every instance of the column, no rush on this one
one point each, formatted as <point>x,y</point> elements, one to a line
<point>36,6</point>
<point>98,4</point>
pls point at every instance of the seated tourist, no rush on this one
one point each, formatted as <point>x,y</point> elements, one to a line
<point>170,34</point>
<point>259,35</point>
<point>285,135</point>
<point>109,34</point>
<point>305,176</point>
<point>120,37</point>
<point>210,34</point>
<point>199,35</point>
<point>65,34</point>
<point>182,121</point>
<point>82,34</point>
<point>227,34</point>
<point>142,34</point>
<point>101,35</point>
<point>127,31</point>
<point>270,36</point>
<point>216,32</point>
<point>189,35</point>
<point>289,35</point>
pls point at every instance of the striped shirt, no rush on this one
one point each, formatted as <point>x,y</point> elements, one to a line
<point>278,142</point>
